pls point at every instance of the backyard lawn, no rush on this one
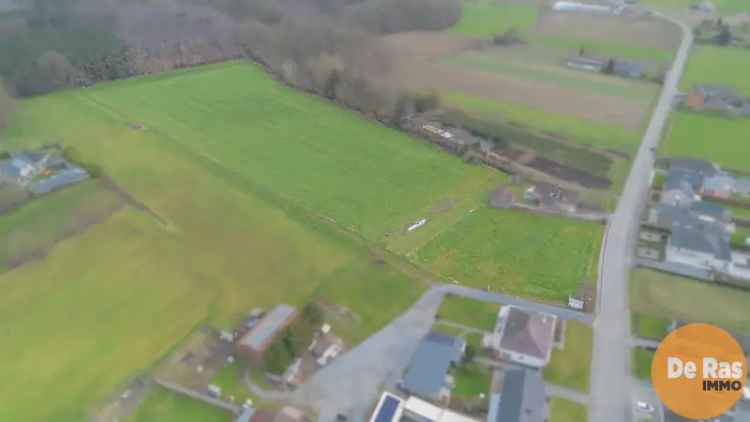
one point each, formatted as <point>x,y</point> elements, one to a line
<point>517,253</point>
<point>705,59</point>
<point>648,327</point>
<point>571,367</point>
<point>473,313</point>
<point>561,410</point>
<point>653,293</point>
<point>710,137</point>
<point>471,380</point>
<point>641,363</point>
<point>725,7</point>
<point>230,380</point>
<point>165,406</point>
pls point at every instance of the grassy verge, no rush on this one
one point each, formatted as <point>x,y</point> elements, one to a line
<point>472,380</point>
<point>649,327</point>
<point>484,18</point>
<point>669,297</point>
<point>561,410</point>
<point>641,363</point>
<point>473,313</point>
<point>571,366</point>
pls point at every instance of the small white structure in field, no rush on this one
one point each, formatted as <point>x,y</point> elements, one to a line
<point>214,391</point>
<point>571,6</point>
<point>329,354</point>
<point>417,225</point>
<point>325,329</point>
<point>227,336</point>
<point>437,131</point>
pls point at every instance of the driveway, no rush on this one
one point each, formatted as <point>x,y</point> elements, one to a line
<point>610,372</point>
<point>352,383</point>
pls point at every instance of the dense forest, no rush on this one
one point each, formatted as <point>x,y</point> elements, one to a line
<point>319,45</point>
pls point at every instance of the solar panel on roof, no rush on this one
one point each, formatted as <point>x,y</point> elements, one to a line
<point>387,410</point>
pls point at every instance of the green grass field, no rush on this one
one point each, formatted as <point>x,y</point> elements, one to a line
<point>571,367</point>
<point>473,313</point>
<point>641,363</point>
<point>561,410</point>
<point>230,380</point>
<point>237,169</point>
<point>649,327</point>
<point>165,406</point>
<point>603,46</point>
<point>504,249</point>
<point>704,61</point>
<point>34,228</point>
<point>710,137</point>
<point>725,7</point>
<point>653,293</point>
<point>484,18</point>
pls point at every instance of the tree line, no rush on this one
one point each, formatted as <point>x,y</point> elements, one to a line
<point>325,46</point>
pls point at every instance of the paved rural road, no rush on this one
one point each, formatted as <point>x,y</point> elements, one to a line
<point>610,374</point>
<point>352,383</point>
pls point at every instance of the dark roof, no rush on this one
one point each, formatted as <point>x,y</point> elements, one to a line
<point>717,90</point>
<point>387,409</point>
<point>246,415</point>
<point>667,215</point>
<point>587,61</point>
<point>528,332</point>
<point>523,398</point>
<point>701,236</point>
<point>263,416</point>
<point>679,178</point>
<point>261,335</point>
<point>671,417</point>
<point>710,209</point>
<point>702,167</point>
<point>628,68</point>
<point>426,373</point>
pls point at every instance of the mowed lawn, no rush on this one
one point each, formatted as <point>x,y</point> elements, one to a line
<point>234,169</point>
<point>725,7</point>
<point>517,253</point>
<point>165,406</point>
<point>722,140</point>
<point>653,293</point>
<point>571,366</point>
<point>718,65</point>
<point>484,18</point>
<point>561,410</point>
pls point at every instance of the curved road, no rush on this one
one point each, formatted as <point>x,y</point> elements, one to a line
<point>610,374</point>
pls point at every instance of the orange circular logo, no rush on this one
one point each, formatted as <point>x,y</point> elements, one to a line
<point>699,371</point>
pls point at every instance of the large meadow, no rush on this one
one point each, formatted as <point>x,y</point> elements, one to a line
<point>225,190</point>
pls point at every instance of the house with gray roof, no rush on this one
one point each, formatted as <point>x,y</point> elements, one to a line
<point>681,188</point>
<point>427,375</point>
<point>713,213</point>
<point>700,244</point>
<point>670,416</point>
<point>702,167</point>
<point>663,216</point>
<point>522,399</point>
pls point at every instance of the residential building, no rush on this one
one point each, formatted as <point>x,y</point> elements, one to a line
<point>523,336</point>
<point>721,185</point>
<point>693,165</point>
<point>389,408</point>
<point>255,342</point>
<point>663,216</point>
<point>681,188</point>
<point>290,414</point>
<point>713,213</point>
<point>571,6</point>
<point>417,410</point>
<point>716,98</point>
<point>629,69</point>
<point>670,416</point>
<point>523,398</point>
<point>427,375</point>
<point>700,244</point>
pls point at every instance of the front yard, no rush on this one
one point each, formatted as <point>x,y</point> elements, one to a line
<point>571,366</point>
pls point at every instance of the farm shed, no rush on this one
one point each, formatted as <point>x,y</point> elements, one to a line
<point>255,342</point>
<point>591,64</point>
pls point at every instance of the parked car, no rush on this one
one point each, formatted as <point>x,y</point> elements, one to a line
<point>644,407</point>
